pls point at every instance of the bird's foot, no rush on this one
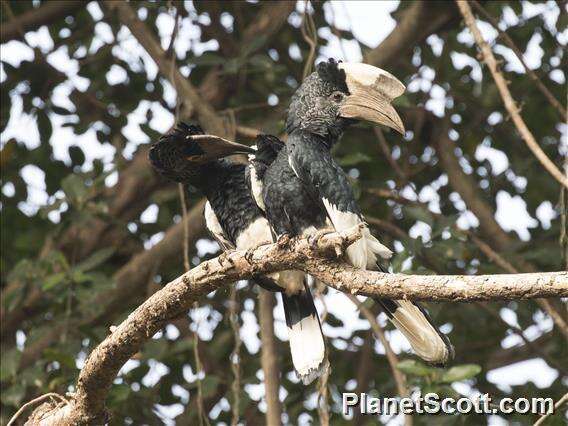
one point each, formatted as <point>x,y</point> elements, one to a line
<point>249,254</point>
<point>283,240</point>
<point>225,258</point>
<point>313,239</point>
<point>250,251</point>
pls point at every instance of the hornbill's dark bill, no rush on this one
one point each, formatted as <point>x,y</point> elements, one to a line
<point>188,156</point>
<point>304,189</point>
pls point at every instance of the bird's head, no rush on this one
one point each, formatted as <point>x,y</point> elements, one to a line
<point>181,153</point>
<point>338,93</point>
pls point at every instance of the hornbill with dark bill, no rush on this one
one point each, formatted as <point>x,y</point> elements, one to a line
<point>305,190</point>
<point>233,217</point>
<point>188,156</point>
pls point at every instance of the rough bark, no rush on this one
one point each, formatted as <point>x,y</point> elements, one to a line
<point>88,404</point>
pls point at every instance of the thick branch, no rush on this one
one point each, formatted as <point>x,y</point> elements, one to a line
<point>509,41</point>
<point>416,23</point>
<point>167,67</point>
<point>32,19</point>
<point>102,366</point>
<point>508,100</point>
<point>127,279</point>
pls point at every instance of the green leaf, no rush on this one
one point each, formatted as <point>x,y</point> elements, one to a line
<point>53,280</point>
<point>419,213</point>
<point>14,394</point>
<point>415,368</point>
<point>209,385</point>
<point>65,359</point>
<point>9,364</point>
<point>460,372</point>
<point>95,259</point>
<point>74,189</point>
<point>119,393</point>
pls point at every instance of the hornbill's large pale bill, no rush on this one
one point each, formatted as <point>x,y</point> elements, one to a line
<point>214,147</point>
<point>371,93</point>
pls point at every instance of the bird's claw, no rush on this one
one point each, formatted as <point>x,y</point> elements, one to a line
<point>224,257</point>
<point>249,254</point>
<point>283,240</point>
<point>313,239</point>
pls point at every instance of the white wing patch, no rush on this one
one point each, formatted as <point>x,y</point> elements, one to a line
<point>363,253</point>
<point>213,225</point>
<point>290,162</point>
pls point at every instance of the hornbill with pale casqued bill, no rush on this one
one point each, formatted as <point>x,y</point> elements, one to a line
<point>305,190</point>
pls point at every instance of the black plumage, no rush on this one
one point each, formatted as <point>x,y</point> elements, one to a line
<point>305,189</point>
<point>231,210</point>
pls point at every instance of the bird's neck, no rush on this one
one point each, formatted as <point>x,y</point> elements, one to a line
<point>204,177</point>
<point>327,140</point>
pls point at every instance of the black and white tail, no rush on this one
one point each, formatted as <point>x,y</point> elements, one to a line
<point>415,324</point>
<point>305,334</point>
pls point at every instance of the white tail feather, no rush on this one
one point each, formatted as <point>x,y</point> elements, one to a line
<point>421,334</point>
<point>308,348</point>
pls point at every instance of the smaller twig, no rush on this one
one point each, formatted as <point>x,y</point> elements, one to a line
<point>558,404</point>
<point>235,356</point>
<point>170,50</point>
<point>200,406</point>
<point>13,19</point>
<point>519,332</point>
<point>269,358</point>
<point>33,402</point>
<point>509,41</point>
<point>495,257</point>
<point>508,100</point>
<point>309,32</point>
<point>323,392</point>
<point>392,359</point>
<point>387,153</point>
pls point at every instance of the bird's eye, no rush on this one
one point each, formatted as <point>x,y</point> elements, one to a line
<point>337,96</point>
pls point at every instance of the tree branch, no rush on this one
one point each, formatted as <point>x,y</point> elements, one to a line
<point>416,23</point>
<point>508,100</point>
<point>269,358</point>
<point>127,280</point>
<point>189,94</point>
<point>88,404</point>
<point>509,41</point>
<point>32,19</point>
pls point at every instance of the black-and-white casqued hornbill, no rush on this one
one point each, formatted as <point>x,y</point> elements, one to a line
<point>232,216</point>
<point>305,190</point>
<point>188,156</point>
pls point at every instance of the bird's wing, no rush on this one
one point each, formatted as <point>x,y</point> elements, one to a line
<point>214,227</point>
<point>328,183</point>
